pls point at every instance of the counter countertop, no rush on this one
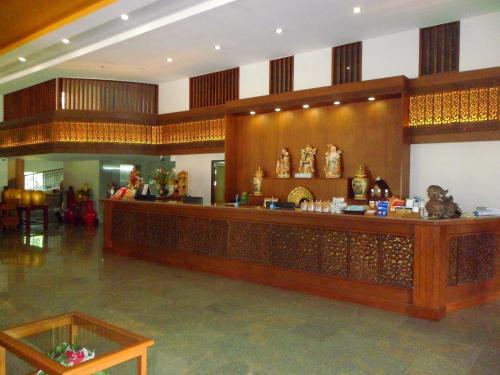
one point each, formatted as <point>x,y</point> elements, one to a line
<point>210,209</point>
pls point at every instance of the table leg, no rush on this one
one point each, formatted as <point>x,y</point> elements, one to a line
<point>3,360</point>
<point>28,218</point>
<point>142,364</point>
<point>45,218</point>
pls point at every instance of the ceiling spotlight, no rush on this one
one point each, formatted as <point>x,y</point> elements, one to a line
<point>277,109</point>
<point>356,10</point>
<point>22,59</point>
<point>279,30</point>
<point>217,47</point>
<point>252,113</point>
<point>371,98</point>
<point>65,40</point>
<point>305,106</point>
<point>336,102</point>
<point>124,17</point>
<point>169,60</point>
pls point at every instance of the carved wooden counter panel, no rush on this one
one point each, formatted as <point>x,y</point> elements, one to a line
<point>416,267</point>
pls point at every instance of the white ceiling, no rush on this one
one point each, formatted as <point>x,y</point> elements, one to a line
<point>244,29</point>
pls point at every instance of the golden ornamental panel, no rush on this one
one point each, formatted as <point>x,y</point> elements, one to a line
<point>454,106</point>
<point>106,132</point>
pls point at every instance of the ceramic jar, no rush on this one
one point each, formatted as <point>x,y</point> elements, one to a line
<point>360,184</point>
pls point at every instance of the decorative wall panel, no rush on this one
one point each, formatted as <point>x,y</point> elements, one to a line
<point>396,260</point>
<point>107,132</point>
<point>375,258</point>
<point>281,75</point>
<point>471,258</point>
<point>467,105</point>
<point>335,253</point>
<point>439,48</point>
<point>30,101</point>
<point>214,88</point>
<point>250,242</point>
<point>347,63</point>
<point>364,257</point>
<point>107,96</point>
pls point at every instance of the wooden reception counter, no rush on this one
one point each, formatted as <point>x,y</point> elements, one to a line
<point>418,267</point>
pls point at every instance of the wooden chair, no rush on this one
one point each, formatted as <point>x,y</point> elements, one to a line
<point>9,217</point>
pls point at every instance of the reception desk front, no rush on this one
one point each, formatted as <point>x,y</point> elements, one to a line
<point>418,267</point>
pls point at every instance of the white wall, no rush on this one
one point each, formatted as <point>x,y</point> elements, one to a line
<point>469,170</point>
<point>173,96</point>
<point>254,80</point>
<point>312,69</point>
<point>480,42</point>
<point>199,168</point>
<point>4,172</point>
<point>1,107</point>
<point>391,55</point>
<point>76,173</point>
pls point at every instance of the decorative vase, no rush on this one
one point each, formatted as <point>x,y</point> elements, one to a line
<point>89,214</point>
<point>360,184</point>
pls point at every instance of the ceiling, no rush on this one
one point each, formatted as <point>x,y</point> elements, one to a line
<point>104,46</point>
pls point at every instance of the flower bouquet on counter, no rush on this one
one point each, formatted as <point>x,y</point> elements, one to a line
<point>163,177</point>
<point>70,355</point>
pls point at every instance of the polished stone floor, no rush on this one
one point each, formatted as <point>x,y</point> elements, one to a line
<point>204,324</point>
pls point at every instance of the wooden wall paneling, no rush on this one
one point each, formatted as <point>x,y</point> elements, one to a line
<point>231,157</point>
<point>439,48</point>
<point>109,96</point>
<point>30,101</point>
<point>214,88</point>
<point>261,137</point>
<point>281,75</point>
<point>346,63</point>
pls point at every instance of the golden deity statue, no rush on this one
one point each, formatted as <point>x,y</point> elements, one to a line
<point>333,165</point>
<point>283,164</point>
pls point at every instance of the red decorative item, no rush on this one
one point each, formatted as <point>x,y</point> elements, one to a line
<point>70,214</point>
<point>89,214</point>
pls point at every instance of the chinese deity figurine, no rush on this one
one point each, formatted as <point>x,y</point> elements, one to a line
<point>257,181</point>
<point>283,164</point>
<point>333,166</point>
<point>306,166</point>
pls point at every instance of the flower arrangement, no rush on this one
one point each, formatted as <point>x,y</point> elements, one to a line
<point>70,355</point>
<point>164,176</point>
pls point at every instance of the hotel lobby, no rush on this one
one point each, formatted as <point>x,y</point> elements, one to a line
<point>249,187</point>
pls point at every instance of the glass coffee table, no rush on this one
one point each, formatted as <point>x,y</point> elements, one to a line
<point>25,349</point>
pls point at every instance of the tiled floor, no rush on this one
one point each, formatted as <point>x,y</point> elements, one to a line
<point>204,324</point>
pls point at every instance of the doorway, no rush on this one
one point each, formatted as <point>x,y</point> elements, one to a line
<point>218,173</point>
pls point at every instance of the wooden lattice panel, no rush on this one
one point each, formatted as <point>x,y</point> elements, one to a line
<point>456,106</point>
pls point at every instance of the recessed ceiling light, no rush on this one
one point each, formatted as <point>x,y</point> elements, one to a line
<point>22,59</point>
<point>277,109</point>
<point>169,60</point>
<point>279,30</point>
<point>336,102</point>
<point>305,106</point>
<point>356,10</point>
<point>348,68</point>
<point>252,113</point>
<point>371,98</point>
<point>217,47</point>
<point>124,17</point>
<point>65,40</point>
